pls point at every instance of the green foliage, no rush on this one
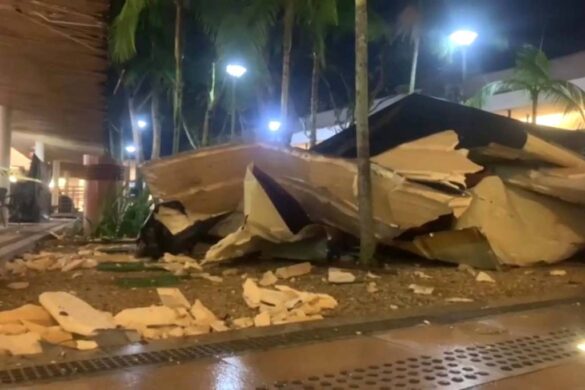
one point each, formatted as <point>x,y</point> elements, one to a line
<point>123,32</point>
<point>532,74</point>
<point>124,215</point>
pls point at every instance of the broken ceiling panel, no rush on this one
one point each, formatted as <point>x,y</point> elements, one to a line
<point>210,182</point>
<point>431,159</point>
<point>563,183</point>
<point>524,228</point>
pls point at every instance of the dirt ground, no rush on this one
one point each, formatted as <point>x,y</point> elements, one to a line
<point>99,289</point>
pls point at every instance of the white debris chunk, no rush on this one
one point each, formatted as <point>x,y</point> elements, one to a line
<point>421,290</point>
<point>394,307</point>
<point>338,276</point>
<point>12,329</point>
<point>76,275</point>
<point>75,315</point>
<point>251,294</point>
<point>143,317</point>
<point>459,300</point>
<point>262,319</point>
<point>86,345</point>
<point>18,285</point>
<point>422,275</point>
<point>173,298</point>
<point>176,332</point>
<point>23,344</point>
<point>484,277</point>
<point>187,261</point>
<point>242,323</point>
<point>33,313</point>
<point>90,263</point>
<point>371,275</point>
<point>268,279</point>
<point>50,334</point>
<point>85,252</point>
<point>219,326</point>
<point>41,264</point>
<point>294,270</point>
<point>558,272</point>
<point>196,330</point>
<point>202,314</point>
<point>230,272</point>
<point>372,288</point>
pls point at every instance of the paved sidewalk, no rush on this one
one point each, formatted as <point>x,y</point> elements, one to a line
<point>534,349</point>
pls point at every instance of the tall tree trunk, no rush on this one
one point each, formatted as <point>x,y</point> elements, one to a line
<point>289,21</point>
<point>136,136</point>
<point>178,92</point>
<point>156,125</point>
<point>413,70</point>
<point>210,107</point>
<point>315,97</point>
<point>534,107</point>
<point>367,239</point>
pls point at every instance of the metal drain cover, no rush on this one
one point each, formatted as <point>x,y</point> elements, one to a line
<point>459,368</point>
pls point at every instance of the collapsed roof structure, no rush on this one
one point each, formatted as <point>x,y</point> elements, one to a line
<point>450,183</point>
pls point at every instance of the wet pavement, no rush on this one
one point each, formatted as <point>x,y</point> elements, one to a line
<point>534,348</point>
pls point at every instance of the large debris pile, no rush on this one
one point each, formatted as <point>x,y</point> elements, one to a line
<point>450,183</point>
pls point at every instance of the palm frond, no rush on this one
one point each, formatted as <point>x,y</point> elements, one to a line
<point>568,94</point>
<point>480,99</point>
<point>123,31</point>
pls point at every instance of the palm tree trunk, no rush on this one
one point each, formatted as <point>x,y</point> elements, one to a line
<point>289,21</point>
<point>156,125</point>
<point>413,70</point>
<point>178,93</point>
<point>136,136</point>
<point>210,107</point>
<point>367,239</point>
<point>314,98</point>
<point>534,107</point>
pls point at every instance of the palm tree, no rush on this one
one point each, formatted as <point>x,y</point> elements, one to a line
<point>533,75</point>
<point>288,23</point>
<point>321,15</point>
<point>178,90</point>
<point>367,239</point>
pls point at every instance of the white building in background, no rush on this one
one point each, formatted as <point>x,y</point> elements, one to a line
<point>515,105</point>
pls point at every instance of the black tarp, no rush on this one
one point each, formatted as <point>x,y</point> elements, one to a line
<point>417,116</point>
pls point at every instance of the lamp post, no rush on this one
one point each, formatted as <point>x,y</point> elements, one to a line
<point>236,72</point>
<point>463,39</point>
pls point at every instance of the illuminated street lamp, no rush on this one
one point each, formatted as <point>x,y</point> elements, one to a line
<point>141,123</point>
<point>463,39</point>
<point>236,72</point>
<point>131,149</point>
<point>274,126</point>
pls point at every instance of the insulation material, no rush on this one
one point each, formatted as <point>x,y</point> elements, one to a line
<point>431,159</point>
<point>524,228</point>
<point>567,184</point>
<point>210,182</point>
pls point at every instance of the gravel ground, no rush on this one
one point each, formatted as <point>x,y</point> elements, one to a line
<point>225,299</point>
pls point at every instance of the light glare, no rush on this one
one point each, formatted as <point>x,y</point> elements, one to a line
<point>236,71</point>
<point>463,37</point>
<point>131,149</point>
<point>141,123</point>
<point>274,126</point>
<point>12,179</point>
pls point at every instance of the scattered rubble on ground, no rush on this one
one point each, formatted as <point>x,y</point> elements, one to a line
<point>338,276</point>
<point>484,277</point>
<point>421,290</point>
<point>558,272</point>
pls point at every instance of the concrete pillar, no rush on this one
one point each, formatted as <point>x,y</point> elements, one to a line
<point>55,179</point>
<point>5,144</point>
<point>40,150</point>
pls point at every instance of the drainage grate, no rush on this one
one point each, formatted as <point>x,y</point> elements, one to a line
<point>111,362</point>
<point>459,368</point>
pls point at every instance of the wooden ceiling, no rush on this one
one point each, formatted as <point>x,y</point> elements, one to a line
<point>53,62</point>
